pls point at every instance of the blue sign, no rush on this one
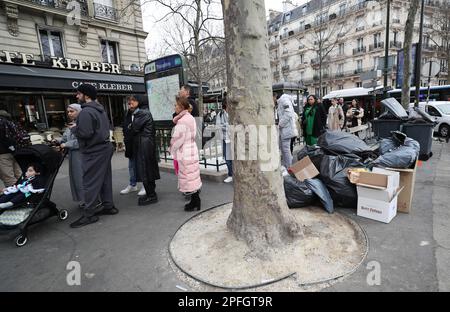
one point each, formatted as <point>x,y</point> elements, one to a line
<point>401,65</point>
<point>163,64</point>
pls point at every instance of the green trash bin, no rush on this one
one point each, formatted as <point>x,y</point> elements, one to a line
<point>422,133</point>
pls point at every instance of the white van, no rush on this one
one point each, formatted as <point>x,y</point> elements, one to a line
<point>440,112</point>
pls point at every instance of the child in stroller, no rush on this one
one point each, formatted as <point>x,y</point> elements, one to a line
<point>31,183</point>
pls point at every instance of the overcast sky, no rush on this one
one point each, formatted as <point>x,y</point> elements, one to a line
<point>150,15</point>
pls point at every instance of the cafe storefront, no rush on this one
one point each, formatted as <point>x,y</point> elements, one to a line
<point>37,96</point>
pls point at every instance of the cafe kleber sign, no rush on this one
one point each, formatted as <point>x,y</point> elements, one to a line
<point>60,62</point>
<point>105,86</point>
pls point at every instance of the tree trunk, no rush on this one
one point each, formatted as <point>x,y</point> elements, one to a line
<point>409,30</point>
<point>260,215</point>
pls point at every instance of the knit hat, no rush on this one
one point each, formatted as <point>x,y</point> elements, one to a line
<point>88,90</point>
<point>75,106</point>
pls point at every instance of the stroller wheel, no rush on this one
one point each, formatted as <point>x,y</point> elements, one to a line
<point>63,215</point>
<point>21,240</point>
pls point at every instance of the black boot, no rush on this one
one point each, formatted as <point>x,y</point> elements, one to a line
<point>148,200</point>
<point>194,204</point>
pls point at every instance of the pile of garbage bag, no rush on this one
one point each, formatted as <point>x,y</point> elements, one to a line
<point>306,193</point>
<point>335,153</point>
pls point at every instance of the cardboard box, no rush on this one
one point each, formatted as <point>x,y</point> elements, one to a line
<point>304,169</point>
<point>377,194</point>
<point>378,179</point>
<point>407,181</point>
<point>376,209</point>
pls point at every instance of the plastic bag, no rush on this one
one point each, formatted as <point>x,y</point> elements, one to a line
<point>333,173</point>
<point>342,143</point>
<point>315,154</point>
<point>320,189</point>
<point>297,193</point>
<point>394,156</point>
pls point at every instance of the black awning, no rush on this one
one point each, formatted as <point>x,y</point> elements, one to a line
<point>13,77</point>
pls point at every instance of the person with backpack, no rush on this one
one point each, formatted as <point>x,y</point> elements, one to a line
<point>10,170</point>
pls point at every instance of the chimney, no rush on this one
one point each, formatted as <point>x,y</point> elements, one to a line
<point>273,14</point>
<point>288,6</point>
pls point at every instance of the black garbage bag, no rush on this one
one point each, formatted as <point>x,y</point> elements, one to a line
<point>333,173</point>
<point>314,153</point>
<point>320,189</point>
<point>343,143</point>
<point>394,155</point>
<point>297,193</point>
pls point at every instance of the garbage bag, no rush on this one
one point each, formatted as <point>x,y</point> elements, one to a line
<point>395,108</point>
<point>342,143</point>
<point>416,114</point>
<point>314,153</point>
<point>298,193</point>
<point>320,189</point>
<point>394,156</point>
<point>387,115</point>
<point>333,173</point>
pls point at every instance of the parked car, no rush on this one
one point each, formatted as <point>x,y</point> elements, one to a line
<point>440,112</point>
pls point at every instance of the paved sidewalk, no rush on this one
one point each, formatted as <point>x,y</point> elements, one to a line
<point>128,252</point>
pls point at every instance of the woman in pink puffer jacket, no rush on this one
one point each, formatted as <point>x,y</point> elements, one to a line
<point>184,151</point>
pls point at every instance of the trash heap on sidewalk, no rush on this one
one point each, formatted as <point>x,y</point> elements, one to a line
<point>343,171</point>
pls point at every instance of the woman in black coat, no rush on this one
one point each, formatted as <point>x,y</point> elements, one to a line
<point>145,153</point>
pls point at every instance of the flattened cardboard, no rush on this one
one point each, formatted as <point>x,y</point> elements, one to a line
<point>408,181</point>
<point>304,169</point>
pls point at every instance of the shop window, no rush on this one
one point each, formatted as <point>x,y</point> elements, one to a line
<point>51,43</point>
<point>109,52</point>
<point>56,112</point>
<point>25,109</point>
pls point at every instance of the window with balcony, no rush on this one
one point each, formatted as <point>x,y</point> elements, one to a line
<point>360,44</point>
<point>302,58</point>
<point>341,49</point>
<point>51,43</point>
<point>109,52</point>
<point>340,70</point>
<point>359,66</point>
<point>104,9</point>
<point>359,84</point>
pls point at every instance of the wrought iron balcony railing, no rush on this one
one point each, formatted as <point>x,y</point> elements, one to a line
<point>62,4</point>
<point>105,12</point>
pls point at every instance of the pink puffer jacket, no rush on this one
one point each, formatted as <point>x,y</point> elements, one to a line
<point>184,150</point>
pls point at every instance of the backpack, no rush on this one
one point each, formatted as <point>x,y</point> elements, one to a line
<point>21,137</point>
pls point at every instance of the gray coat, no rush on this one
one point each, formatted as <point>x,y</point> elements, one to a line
<point>287,117</point>
<point>75,172</point>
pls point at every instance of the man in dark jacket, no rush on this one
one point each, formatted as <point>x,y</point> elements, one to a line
<point>185,92</point>
<point>145,153</point>
<point>9,169</point>
<point>128,140</point>
<point>92,132</point>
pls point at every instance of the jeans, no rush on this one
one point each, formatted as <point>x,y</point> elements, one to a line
<point>132,171</point>
<point>286,156</point>
<point>228,161</point>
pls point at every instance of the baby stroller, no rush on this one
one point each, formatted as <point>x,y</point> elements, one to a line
<point>37,207</point>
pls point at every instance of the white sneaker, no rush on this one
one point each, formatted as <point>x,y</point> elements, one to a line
<point>129,189</point>
<point>228,180</point>
<point>142,192</point>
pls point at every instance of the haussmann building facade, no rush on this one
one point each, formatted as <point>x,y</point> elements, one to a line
<point>49,47</point>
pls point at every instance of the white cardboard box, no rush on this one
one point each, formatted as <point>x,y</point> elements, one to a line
<point>376,209</point>
<point>378,195</point>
